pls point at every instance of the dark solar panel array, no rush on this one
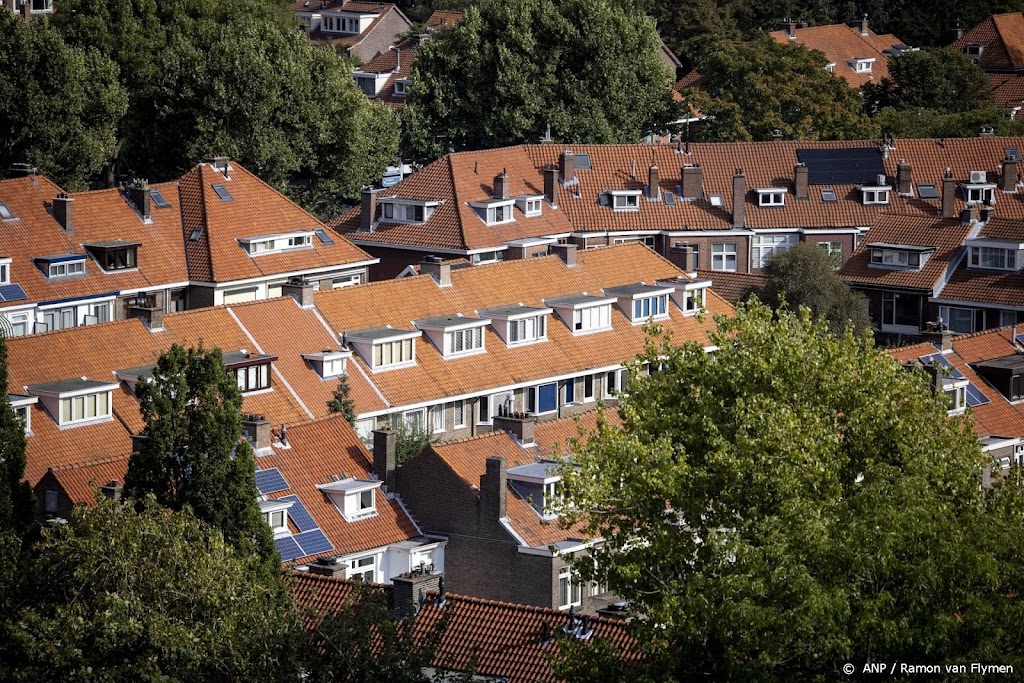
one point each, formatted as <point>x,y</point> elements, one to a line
<point>975,397</point>
<point>842,166</point>
<point>944,362</point>
<point>12,293</point>
<point>287,548</point>
<point>270,481</point>
<point>299,515</point>
<point>323,237</point>
<point>583,162</point>
<point>313,542</point>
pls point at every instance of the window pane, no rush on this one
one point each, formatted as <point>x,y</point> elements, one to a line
<point>102,404</point>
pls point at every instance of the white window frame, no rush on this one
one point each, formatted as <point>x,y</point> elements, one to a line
<point>606,390</point>
<point>591,395</point>
<point>980,254</point>
<point>533,399</point>
<point>274,515</point>
<point>527,330</point>
<point>252,378</point>
<point>500,214</point>
<point>763,247</point>
<point>721,255</point>
<point>464,342</point>
<point>359,567</point>
<point>625,200</point>
<point>695,300</point>
<point>978,193</point>
<point>385,349</point>
<point>947,313</point>
<point>66,268</point>
<point>85,408</point>
<point>592,319</point>
<point>771,196</point>
<point>459,414</point>
<point>5,271</point>
<point>875,195</point>
<point>655,307</point>
<point>437,418</point>
<point>569,590</point>
<point>409,421</point>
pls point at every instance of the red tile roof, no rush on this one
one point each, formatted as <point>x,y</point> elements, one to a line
<point>81,483</point>
<point>1008,89</point>
<point>443,19</point>
<point>733,287</point>
<point>346,42</point>
<point>315,595</point>
<point>1002,37</point>
<point>840,44</point>
<point>396,62</point>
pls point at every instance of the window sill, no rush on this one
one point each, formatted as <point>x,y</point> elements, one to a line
<point>86,423</point>
<point>394,366</point>
<point>580,333</point>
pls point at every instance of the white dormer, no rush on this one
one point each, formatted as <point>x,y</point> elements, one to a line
<point>875,194</point>
<point>584,313</point>
<point>329,364</point>
<point>275,244</point>
<point>771,196</point>
<point>275,514</point>
<point>955,390</point>
<point>371,83</point>
<point>63,265</point>
<point>978,190</point>
<point>252,371</point>
<point>625,200</point>
<point>402,86</point>
<point>862,65</point>
<point>22,404</point>
<point>456,335</point>
<point>400,210</point>
<point>537,483</point>
<point>530,205</point>
<point>689,295</point>
<point>385,348</point>
<point>642,302</point>
<point>347,23</point>
<point>990,254</point>
<point>75,402</point>
<point>898,256</point>
<point>5,271</point>
<point>519,325</point>
<point>356,499</point>
<point>494,211</point>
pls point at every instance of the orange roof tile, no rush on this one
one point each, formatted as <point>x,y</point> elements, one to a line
<point>840,44</point>
<point>81,483</point>
<point>1002,37</point>
<point>317,595</point>
<point>443,19</point>
<point>733,287</point>
<point>1008,89</point>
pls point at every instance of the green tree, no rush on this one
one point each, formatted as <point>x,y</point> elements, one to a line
<point>795,501</point>
<point>145,595</point>
<point>59,105</point>
<point>806,276</point>
<point>756,88</point>
<point>933,78</point>
<point>192,453</point>
<point>341,403</point>
<point>15,493</point>
<point>410,441</point>
<point>588,68</point>
<point>928,123</point>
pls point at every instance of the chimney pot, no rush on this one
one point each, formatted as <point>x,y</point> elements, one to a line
<point>566,252</point>
<point>436,268</point>
<point>501,186</point>
<point>800,182</point>
<point>567,166</point>
<point>1008,176</point>
<point>62,205</point>
<point>653,180</point>
<point>864,25</point>
<point>368,210</point>
<point>948,195</point>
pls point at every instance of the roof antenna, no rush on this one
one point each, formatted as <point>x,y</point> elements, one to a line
<point>476,168</point>
<point>284,434</point>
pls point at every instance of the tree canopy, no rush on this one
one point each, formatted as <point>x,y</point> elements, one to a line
<point>806,276</point>
<point>342,403</point>
<point>15,494</point>
<point>796,501</point>
<point>146,595</point>
<point>754,89</point>
<point>938,78</point>
<point>589,69</point>
<point>192,453</point>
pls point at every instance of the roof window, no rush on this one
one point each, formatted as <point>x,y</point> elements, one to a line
<point>385,348</point>
<point>828,195</point>
<point>584,313</point>
<point>974,50</point>
<point>329,364</point>
<point>356,499</point>
<point>899,256</point>
<point>222,192</point>
<point>875,194</point>
<point>274,244</point>
<point>5,213</point>
<point>642,302</point>
<point>927,191</point>
<point>158,199</point>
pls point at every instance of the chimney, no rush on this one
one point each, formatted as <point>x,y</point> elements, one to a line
<point>693,181</point>
<point>739,199</point>
<point>940,337</point>
<point>800,181</point>
<point>151,316</point>
<point>139,193</point>
<point>551,185</point>
<point>221,163</point>
<point>409,591</point>
<point>421,38</point>
<point>864,25</point>
<point>566,252</point>
<point>493,489</point>
<point>435,267</point>
<point>112,489</point>
<point>683,255</point>
<point>368,210</point>
<point>256,428</point>
<point>567,166</point>
<point>385,458</point>
<point>986,212</point>
<point>501,186</point>
<point>300,290</point>
<point>653,180</point>
<point>986,132</point>
<point>948,195</point>
<point>328,566</point>
<point>523,428</point>
<point>776,135</point>
<point>62,211</point>
<point>958,32</point>
<point>1008,177</point>
<point>789,26</point>
<point>969,215</point>
<point>26,10</point>
<point>903,179</point>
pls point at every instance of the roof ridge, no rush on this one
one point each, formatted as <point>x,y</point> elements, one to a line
<point>89,463</point>
<point>71,330</point>
<point>981,333</point>
<point>524,607</point>
<point>469,439</point>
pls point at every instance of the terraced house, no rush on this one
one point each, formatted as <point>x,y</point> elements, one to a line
<point>724,207</point>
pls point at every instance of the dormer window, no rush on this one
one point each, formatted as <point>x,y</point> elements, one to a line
<point>997,257</point>
<point>875,194</point>
<point>274,244</point>
<point>21,404</point>
<point>343,24</point>
<point>407,211</point>
<point>251,370</point>
<point>625,200</point>
<point>455,335</point>
<point>356,499</point>
<point>642,302</point>
<point>329,364</point>
<point>1006,374</point>
<point>771,196</point>
<point>863,65</point>
<point>520,325</point>
<point>402,87</point>
<point>275,514</point>
<point>5,271</point>
<point>495,211</point>
<point>66,265</point>
<point>974,51</point>
<point>539,483</point>
<point>955,391</point>
<point>584,313</point>
<point>529,205</point>
<point>385,348</point>
<point>689,295</point>
<point>899,256</point>
<point>75,402</point>
<point>115,254</point>
<point>979,190</point>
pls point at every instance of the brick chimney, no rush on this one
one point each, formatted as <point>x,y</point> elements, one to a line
<point>693,181</point>
<point>62,211</point>
<point>409,591</point>
<point>789,26</point>
<point>523,428</point>
<point>683,255</point>
<point>151,316</point>
<point>948,195</point>
<point>566,252</point>
<point>138,191</point>
<point>739,199</point>
<point>501,186</point>
<point>300,290</point>
<point>1008,177</point>
<point>863,25</point>
<point>800,182</point>
<point>368,210</point>
<point>551,185</point>
<point>968,215</point>
<point>256,428</point>
<point>26,10</point>
<point>328,566</point>
<point>493,489</point>
<point>904,186</point>
<point>435,267</point>
<point>567,166</point>
<point>385,458</point>
<point>112,489</point>
<point>653,180</point>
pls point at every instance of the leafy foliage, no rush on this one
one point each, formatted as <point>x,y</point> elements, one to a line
<point>15,494</point>
<point>59,105</point>
<point>146,595</point>
<point>410,441</point>
<point>940,79</point>
<point>806,276</point>
<point>756,88</point>
<point>802,502</point>
<point>192,453</point>
<point>588,68</point>
<point>928,123</point>
<point>341,403</point>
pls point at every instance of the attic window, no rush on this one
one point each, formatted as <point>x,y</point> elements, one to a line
<point>195,235</point>
<point>75,401</point>
<point>927,191</point>
<point>5,213</point>
<point>273,244</point>
<point>974,51</point>
<point>410,211</point>
<point>401,88</point>
<point>529,205</point>
<point>222,192</point>
<point>158,199</point>
<point>862,66</point>
<point>716,200</point>
<point>329,364</point>
<point>583,162</point>
<point>251,370</point>
<point>875,195</point>
<point>65,266</point>
<point>895,256</point>
<point>828,195</point>
<point>624,200</point>
<point>355,498</point>
<point>116,257</point>
<point>771,196</point>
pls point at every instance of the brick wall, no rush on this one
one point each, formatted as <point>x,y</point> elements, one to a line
<point>380,37</point>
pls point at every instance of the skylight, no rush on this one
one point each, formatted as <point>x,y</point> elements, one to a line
<point>927,191</point>
<point>1012,153</point>
<point>158,199</point>
<point>323,237</point>
<point>196,234</point>
<point>222,192</point>
<point>828,195</point>
<point>5,213</point>
<point>716,200</point>
<point>583,162</point>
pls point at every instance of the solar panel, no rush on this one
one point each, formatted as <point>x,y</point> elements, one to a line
<point>12,293</point>
<point>842,166</point>
<point>943,361</point>
<point>300,516</point>
<point>287,548</point>
<point>270,481</point>
<point>927,191</point>
<point>583,162</point>
<point>313,542</point>
<point>323,237</point>
<point>222,192</point>
<point>1020,338</point>
<point>158,199</point>
<point>1013,154</point>
<point>975,397</point>
<point>670,199</point>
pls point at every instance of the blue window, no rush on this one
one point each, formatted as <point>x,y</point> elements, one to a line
<point>649,306</point>
<point>543,399</point>
<point>570,390</point>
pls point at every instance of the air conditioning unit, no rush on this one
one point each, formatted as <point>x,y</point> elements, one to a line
<point>881,179</point>
<point>979,176</point>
